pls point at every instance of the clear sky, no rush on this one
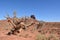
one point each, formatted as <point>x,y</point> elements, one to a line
<point>47,10</point>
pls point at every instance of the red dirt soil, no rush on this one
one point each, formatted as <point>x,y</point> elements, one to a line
<point>29,34</point>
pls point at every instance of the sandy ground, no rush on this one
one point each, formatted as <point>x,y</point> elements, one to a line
<point>49,27</point>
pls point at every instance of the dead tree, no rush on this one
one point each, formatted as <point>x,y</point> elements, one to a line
<point>16,28</point>
<point>7,16</point>
<point>15,19</point>
<point>14,14</point>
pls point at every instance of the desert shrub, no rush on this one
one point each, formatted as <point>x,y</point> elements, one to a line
<point>52,36</point>
<point>41,37</point>
<point>33,16</point>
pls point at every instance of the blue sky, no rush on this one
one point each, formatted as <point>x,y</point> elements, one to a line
<point>47,10</point>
